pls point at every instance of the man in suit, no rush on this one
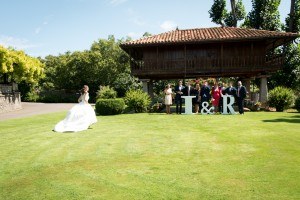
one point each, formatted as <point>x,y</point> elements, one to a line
<point>241,93</point>
<point>188,90</point>
<point>179,89</point>
<point>204,93</point>
<point>230,90</point>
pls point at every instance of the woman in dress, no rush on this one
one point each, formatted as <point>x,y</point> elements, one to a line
<point>80,117</point>
<point>216,95</point>
<point>197,100</point>
<point>168,98</point>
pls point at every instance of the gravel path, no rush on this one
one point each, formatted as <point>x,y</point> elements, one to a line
<point>30,109</point>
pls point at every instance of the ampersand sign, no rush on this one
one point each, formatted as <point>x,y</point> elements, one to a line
<point>205,110</point>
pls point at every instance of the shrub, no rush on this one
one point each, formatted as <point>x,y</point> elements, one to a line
<point>59,96</point>
<point>110,106</point>
<point>106,92</point>
<point>297,104</point>
<point>31,96</point>
<point>137,100</point>
<point>281,98</point>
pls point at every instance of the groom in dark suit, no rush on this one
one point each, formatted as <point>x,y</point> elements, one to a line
<point>204,93</point>
<point>241,93</point>
<point>178,93</point>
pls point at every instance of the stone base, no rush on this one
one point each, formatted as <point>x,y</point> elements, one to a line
<point>10,102</point>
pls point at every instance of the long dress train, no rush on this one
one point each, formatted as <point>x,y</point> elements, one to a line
<point>79,117</point>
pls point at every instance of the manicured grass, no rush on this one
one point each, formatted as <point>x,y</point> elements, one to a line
<point>153,156</point>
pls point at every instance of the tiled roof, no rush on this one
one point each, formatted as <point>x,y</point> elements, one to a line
<point>209,35</point>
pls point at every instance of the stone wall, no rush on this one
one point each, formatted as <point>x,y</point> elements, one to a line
<point>9,100</point>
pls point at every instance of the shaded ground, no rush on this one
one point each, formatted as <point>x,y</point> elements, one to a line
<point>29,109</point>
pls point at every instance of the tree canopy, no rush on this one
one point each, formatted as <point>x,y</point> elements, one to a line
<point>17,66</point>
<point>220,15</point>
<point>104,64</point>
<point>264,15</point>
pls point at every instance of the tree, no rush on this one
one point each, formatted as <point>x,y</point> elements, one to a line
<point>264,15</point>
<point>16,66</point>
<point>289,75</point>
<point>237,13</point>
<point>101,65</point>
<point>218,12</point>
<point>293,19</point>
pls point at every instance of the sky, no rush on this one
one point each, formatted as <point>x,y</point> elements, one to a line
<point>53,27</point>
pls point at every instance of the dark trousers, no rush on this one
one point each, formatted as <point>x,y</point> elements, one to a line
<point>240,102</point>
<point>179,104</point>
<point>203,100</point>
<point>220,106</point>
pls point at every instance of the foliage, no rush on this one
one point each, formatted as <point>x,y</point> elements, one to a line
<point>218,11</point>
<point>100,65</point>
<point>110,106</point>
<point>289,75</point>
<point>240,14</point>
<point>297,103</point>
<point>281,98</point>
<point>295,23</point>
<point>160,85</point>
<point>137,100</point>
<point>219,14</point>
<point>124,82</point>
<point>58,96</point>
<point>106,92</point>
<point>32,96</point>
<point>264,15</point>
<point>19,66</point>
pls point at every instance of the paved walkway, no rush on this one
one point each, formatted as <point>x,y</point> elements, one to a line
<point>29,109</point>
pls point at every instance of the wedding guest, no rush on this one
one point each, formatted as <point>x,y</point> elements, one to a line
<point>80,117</point>
<point>188,89</point>
<point>178,93</point>
<point>168,98</point>
<point>216,95</point>
<point>241,93</point>
<point>204,93</point>
<point>197,100</point>
<point>222,90</point>
<point>230,90</point>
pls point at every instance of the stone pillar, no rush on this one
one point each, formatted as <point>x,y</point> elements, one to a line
<point>263,91</point>
<point>145,85</point>
<point>150,89</point>
<point>247,83</point>
<point>148,86</point>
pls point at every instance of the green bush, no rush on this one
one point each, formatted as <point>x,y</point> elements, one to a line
<point>58,96</point>
<point>31,96</point>
<point>137,100</point>
<point>110,106</point>
<point>106,92</point>
<point>297,104</point>
<point>281,98</point>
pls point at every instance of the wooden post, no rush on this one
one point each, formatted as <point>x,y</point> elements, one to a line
<point>185,60</point>
<point>222,62</point>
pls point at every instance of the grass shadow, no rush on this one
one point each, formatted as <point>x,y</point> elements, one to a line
<point>291,119</point>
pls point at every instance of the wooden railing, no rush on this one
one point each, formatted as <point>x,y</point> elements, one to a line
<point>206,65</point>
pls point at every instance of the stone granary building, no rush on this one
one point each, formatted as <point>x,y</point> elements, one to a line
<point>208,52</point>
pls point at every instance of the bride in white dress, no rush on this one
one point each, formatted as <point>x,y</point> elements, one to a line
<point>80,117</point>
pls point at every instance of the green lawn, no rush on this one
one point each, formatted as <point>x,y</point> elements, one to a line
<point>153,156</point>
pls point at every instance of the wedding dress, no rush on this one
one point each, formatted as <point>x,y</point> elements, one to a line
<point>79,117</point>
